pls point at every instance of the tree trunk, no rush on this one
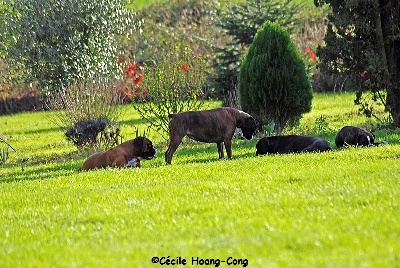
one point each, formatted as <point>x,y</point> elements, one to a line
<point>393,102</point>
<point>380,37</point>
<point>279,125</point>
<point>388,42</point>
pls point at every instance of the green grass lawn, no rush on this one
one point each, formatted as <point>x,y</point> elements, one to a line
<point>332,209</point>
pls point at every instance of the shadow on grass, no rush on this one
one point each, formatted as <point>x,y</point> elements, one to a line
<point>42,172</point>
<point>44,167</point>
<point>198,152</point>
<point>39,131</point>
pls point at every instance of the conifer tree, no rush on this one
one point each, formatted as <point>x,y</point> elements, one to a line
<point>273,83</point>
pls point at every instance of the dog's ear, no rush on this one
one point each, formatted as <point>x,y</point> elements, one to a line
<point>251,122</point>
<point>241,121</point>
<point>138,142</point>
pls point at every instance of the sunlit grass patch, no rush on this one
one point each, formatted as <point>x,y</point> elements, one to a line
<point>337,208</point>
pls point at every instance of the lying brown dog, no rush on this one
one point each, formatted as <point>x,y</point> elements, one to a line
<point>216,125</point>
<point>354,136</point>
<point>291,144</point>
<point>127,154</point>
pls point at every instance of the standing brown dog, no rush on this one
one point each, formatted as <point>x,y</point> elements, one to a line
<point>127,154</point>
<point>216,125</point>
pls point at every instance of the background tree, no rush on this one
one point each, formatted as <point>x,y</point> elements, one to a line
<point>273,83</point>
<point>172,23</point>
<point>241,22</point>
<point>5,36</point>
<point>363,40</point>
<point>57,42</point>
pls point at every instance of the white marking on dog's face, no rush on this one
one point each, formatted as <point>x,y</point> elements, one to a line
<point>133,162</point>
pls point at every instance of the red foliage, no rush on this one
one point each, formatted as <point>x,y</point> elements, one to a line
<point>185,67</point>
<point>310,52</point>
<point>133,74</point>
<point>363,73</point>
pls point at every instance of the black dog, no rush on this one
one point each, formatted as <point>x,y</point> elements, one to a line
<point>212,126</point>
<point>355,136</point>
<point>291,144</point>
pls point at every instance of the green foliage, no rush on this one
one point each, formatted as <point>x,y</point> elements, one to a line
<point>58,42</point>
<point>362,43</point>
<point>321,124</point>
<point>273,83</point>
<point>172,85</point>
<point>5,36</point>
<point>241,22</point>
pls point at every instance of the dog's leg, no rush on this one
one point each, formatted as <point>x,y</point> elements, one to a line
<point>220,150</point>
<point>309,149</point>
<point>119,162</point>
<point>173,145</point>
<point>228,148</point>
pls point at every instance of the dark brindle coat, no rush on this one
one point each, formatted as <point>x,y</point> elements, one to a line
<point>212,126</point>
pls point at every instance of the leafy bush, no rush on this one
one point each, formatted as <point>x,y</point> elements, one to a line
<point>273,83</point>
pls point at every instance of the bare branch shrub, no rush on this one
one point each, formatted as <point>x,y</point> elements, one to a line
<point>4,151</point>
<point>3,154</point>
<point>173,85</point>
<point>86,109</point>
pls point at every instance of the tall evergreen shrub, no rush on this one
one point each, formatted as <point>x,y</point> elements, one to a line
<point>273,83</point>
